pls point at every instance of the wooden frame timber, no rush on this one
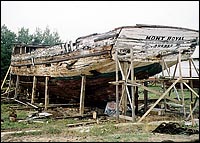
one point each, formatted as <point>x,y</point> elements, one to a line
<point>125,81</point>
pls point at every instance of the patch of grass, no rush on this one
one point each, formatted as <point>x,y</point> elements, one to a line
<point>158,88</point>
<point>23,114</point>
<point>52,130</point>
<point>26,134</point>
<point>121,137</point>
<point>6,110</point>
<point>7,125</point>
<point>106,129</point>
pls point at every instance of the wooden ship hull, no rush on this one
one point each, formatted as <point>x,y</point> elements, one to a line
<point>94,57</point>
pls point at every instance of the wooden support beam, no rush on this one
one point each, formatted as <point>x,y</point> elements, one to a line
<point>191,82</point>
<point>124,94</point>
<point>117,86</point>
<point>145,97</point>
<point>181,83</point>
<point>126,117</point>
<point>7,89</point>
<point>32,105</point>
<point>155,92</point>
<point>33,89</point>
<point>82,95</point>
<point>191,89</point>
<point>136,100</point>
<point>197,71</point>
<point>161,97</point>
<point>121,70</point>
<point>46,93</point>
<point>20,50</point>
<point>19,101</point>
<point>164,65</point>
<point>195,106</point>
<point>183,78</point>
<point>5,77</point>
<point>16,86</point>
<point>132,88</point>
<point>7,92</point>
<point>175,69</point>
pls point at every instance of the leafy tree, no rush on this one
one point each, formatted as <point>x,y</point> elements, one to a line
<point>37,37</point>
<point>45,37</point>
<point>50,38</point>
<point>7,39</point>
<point>24,36</point>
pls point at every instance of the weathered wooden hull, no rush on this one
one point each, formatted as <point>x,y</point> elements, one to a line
<point>94,56</point>
<point>67,89</point>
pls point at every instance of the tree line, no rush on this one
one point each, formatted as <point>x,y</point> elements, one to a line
<point>8,38</point>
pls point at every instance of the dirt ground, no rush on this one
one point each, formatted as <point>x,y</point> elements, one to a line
<point>124,131</point>
<point>120,136</point>
<point>157,137</point>
<point>55,138</point>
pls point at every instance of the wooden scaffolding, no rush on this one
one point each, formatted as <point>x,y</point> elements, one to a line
<point>33,93</point>
<point>128,83</point>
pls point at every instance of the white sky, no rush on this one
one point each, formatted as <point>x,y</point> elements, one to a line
<point>72,19</point>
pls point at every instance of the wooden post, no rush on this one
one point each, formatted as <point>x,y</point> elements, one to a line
<point>117,86</point>
<point>191,89</point>
<point>132,87</point>
<point>46,93</point>
<point>122,100</point>
<point>20,50</point>
<point>181,84</point>
<point>197,71</point>
<point>25,50</point>
<point>191,81</point>
<point>82,95</point>
<point>175,68</point>
<point>136,100</point>
<point>33,89</point>
<point>163,83</point>
<point>17,86</point>
<point>124,94</point>
<point>145,97</point>
<point>195,106</point>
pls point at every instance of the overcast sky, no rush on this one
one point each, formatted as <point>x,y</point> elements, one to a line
<point>72,19</point>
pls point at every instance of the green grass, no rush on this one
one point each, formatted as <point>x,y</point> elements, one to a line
<point>158,88</point>
<point>124,137</point>
<point>110,133</point>
<point>106,132</point>
<point>108,128</point>
<point>52,129</point>
<point>26,134</point>
<point>22,114</point>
